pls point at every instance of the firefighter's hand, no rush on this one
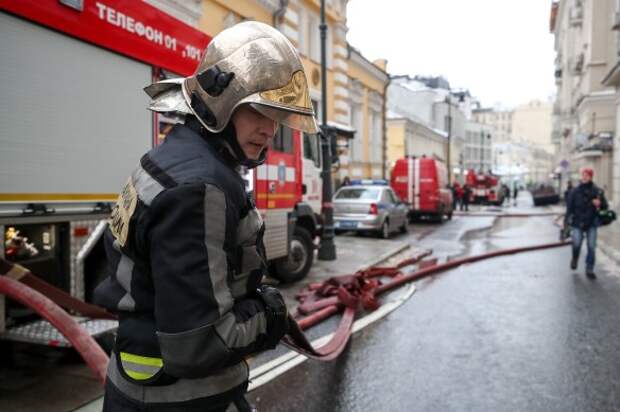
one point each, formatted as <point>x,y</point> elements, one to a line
<point>276,314</point>
<point>596,202</point>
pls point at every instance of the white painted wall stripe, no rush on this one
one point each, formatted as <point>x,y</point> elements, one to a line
<point>292,15</point>
<point>290,32</point>
<point>341,77</point>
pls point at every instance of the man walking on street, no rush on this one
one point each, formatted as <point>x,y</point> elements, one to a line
<point>582,209</point>
<point>466,197</point>
<point>185,242</point>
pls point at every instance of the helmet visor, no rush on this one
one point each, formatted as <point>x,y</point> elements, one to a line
<point>302,122</point>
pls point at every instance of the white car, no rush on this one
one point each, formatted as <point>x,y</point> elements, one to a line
<point>369,208</point>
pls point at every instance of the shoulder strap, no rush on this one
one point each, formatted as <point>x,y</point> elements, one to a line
<point>156,172</point>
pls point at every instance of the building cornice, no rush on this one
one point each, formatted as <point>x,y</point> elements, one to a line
<point>356,57</point>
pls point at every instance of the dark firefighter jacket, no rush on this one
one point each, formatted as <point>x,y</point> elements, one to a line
<point>185,253</point>
<point>580,212</point>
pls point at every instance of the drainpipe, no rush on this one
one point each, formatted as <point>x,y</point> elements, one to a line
<point>385,137</point>
<point>278,14</point>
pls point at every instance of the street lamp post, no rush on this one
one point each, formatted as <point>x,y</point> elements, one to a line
<point>327,248</point>
<point>449,137</point>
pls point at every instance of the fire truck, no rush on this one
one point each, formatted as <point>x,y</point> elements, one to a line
<point>422,184</point>
<point>74,124</point>
<point>485,188</point>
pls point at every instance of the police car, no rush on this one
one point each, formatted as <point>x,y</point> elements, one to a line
<point>369,206</point>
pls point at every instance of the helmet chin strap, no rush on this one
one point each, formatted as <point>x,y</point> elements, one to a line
<point>227,139</point>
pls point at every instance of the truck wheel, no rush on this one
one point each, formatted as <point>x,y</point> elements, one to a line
<point>384,232</point>
<point>296,265</point>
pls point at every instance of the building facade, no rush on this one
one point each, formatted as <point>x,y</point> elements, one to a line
<point>407,137</point>
<point>429,102</point>
<point>477,151</point>
<point>366,154</point>
<point>585,110</point>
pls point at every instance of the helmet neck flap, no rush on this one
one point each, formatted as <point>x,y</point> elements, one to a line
<point>226,142</point>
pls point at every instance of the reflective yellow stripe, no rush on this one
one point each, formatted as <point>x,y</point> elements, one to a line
<point>138,375</point>
<point>142,360</point>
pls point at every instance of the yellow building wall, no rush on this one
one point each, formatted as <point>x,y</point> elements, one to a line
<point>396,141</point>
<point>216,11</point>
<point>365,78</point>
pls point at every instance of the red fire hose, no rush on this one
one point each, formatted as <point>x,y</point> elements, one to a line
<point>95,357</point>
<point>297,341</point>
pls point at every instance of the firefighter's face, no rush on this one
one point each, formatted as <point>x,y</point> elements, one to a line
<point>254,131</point>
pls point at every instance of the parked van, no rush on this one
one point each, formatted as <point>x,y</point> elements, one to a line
<point>422,183</point>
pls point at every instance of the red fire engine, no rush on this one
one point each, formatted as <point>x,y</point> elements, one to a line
<point>422,184</point>
<point>485,188</point>
<point>75,123</point>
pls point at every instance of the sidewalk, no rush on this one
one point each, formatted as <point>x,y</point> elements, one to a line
<point>609,241</point>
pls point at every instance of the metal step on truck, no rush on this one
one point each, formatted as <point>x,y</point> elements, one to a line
<point>74,124</point>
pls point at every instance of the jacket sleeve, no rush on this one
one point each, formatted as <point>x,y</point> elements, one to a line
<point>570,207</point>
<point>200,327</point>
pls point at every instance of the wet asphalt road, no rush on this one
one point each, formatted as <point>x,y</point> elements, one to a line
<point>516,333</point>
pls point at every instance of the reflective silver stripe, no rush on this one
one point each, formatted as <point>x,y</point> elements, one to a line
<point>215,232</point>
<point>250,260</point>
<point>123,276</point>
<point>183,389</point>
<point>147,187</point>
<point>239,335</point>
<point>249,227</point>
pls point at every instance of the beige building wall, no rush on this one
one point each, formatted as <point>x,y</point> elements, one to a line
<point>585,111</point>
<point>531,122</point>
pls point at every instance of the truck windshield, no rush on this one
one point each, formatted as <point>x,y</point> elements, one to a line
<point>358,193</point>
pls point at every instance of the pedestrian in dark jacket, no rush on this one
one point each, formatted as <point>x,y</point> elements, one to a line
<point>515,193</point>
<point>466,197</point>
<point>185,241</point>
<point>582,209</point>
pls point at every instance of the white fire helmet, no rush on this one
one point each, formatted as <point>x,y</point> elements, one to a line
<point>249,63</point>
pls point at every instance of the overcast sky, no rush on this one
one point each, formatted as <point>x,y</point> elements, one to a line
<point>501,50</point>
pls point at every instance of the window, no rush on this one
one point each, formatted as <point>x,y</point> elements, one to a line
<point>375,128</point>
<point>392,197</point>
<point>356,122</point>
<point>309,35</point>
<point>283,142</point>
<point>358,193</point>
<point>312,148</point>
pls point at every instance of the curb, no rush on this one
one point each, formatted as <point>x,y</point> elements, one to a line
<point>384,256</point>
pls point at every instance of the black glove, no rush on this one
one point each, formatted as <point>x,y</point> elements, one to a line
<point>276,314</point>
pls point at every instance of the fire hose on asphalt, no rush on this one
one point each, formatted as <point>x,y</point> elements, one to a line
<point>349,293</point>
<point>350,301</point>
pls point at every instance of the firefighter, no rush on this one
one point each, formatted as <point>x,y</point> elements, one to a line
<point>184,243</point>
